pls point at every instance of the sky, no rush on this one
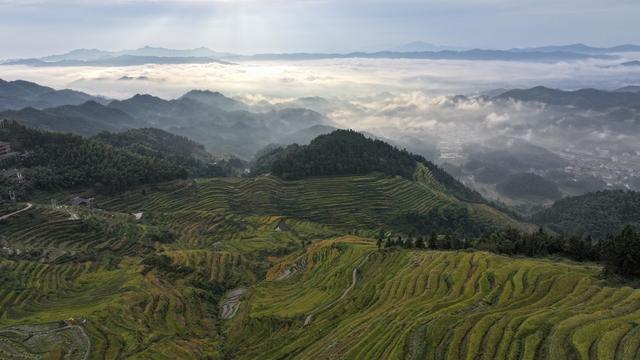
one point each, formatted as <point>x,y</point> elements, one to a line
<point>31,28</point>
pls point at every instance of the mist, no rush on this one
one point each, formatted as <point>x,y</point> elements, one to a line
<point>434,108</point>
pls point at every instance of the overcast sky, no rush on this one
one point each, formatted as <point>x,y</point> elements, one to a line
<point>42,27</point>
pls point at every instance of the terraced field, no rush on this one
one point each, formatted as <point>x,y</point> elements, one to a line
<point>353,202</point>
<point>435,305</point>
<point>171,283</point>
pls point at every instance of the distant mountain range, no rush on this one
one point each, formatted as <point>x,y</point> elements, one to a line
<point>476,54</point>
<point>95,54</point>
<point>418,46</point>
<point>222,124</point>
<point>583,98</point>
<point>413,50</point>
<point>122,60</point>
<point>582,49</point>
<point>631,89</point>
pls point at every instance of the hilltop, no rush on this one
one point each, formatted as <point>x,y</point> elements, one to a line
<point>346,152</point>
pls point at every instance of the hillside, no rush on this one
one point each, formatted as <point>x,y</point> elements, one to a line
<point>348,202</point>
<point>86,119</point>
<point>263,267</point>
<point>52,161</point>
<point>346,152</point>
<point>176,149</point>
<point>154,142</point>
<point>347,300</point>
<point>338,253</point>
<point>597,214</point>
<point>153,285</point>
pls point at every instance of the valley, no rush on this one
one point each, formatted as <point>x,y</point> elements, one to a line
<point>297,265</point>
<point>412,201</point>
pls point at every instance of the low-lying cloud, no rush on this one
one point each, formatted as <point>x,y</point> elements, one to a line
<point>397,99</point>
<point>345,78</point>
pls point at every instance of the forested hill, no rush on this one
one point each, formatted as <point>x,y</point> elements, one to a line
<point>51,161</point>
<point>154,142</point>
<point>597,214</point>
<point>347,152</point>
<point>177,149</point>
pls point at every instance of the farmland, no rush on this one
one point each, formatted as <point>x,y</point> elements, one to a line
<point>438,305</point>
<point>261,267</point>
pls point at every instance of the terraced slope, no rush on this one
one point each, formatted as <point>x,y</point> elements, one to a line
<point>93,268</point>
<point>404,304</point>
<point>156,286</point>
<point>353,202</point>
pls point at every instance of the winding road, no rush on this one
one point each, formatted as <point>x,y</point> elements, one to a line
<point>29,206</point>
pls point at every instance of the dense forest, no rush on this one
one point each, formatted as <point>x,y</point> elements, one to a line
<point>347,152</point>
<point>443,220</point>
<point>597,214</point>
<point>174,148</point>
<point>51,161</point>
<point>154,142</point>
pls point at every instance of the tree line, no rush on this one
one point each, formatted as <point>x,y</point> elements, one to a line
<point>620,252</point>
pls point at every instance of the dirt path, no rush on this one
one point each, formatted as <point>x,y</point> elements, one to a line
<point>354,281</point>
<point>29,206</point>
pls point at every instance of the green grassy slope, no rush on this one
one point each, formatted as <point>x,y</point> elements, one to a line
<point>362,202</point>
<point>435,305</point>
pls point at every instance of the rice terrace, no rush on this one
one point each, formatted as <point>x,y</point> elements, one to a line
<point>319,180</point>
<point>265,268</point>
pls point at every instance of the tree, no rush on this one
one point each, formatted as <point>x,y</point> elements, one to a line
<point>624,253</point>
<point>380,238</point>
<point>433,241</point>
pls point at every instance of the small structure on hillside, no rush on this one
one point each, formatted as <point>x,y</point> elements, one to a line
<point>79,201</point>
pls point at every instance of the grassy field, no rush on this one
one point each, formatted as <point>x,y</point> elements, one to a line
<point>436,305</point>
